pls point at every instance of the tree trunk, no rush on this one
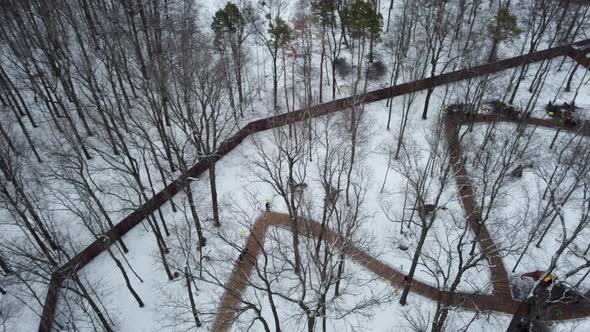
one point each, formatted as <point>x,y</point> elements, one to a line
<point>93,305</point>
<point>269,293</point>
<point>311,319</point>
<point>164,138</point>
<point>228,80</point>
<point>275,83</point>
<point>389,15</point>
<point>4,265</point>
<point>493,51</point>
<point>371,49</point>
<point>322,60</point>
<point>238,64</point>
<point>553,143</point>
<point>433,62</point>
<point>536,77</point>
<point>126,277</point>
<point>7,139</point>
<point>286,91</point>
<point>150,182</point>
<point>159,168</point>
<point>295,230</point>
<point>538,245</point>
<point>8,83</point>
<point>410,278</point>
<point>103,212</point>
<point>322,228</point>
<point>402,130</point>
<point>194,214</point>
<point>426,102</point>
<point>162,249</point>
<point>26,133</point>
<point>214,203</point>
<point>28,205</point>
<point>46,252</point>
<point>191,298</point>
<point>352,155</point>
<point>75,131</point>
<point>340,271</point>
<point>568,86</point>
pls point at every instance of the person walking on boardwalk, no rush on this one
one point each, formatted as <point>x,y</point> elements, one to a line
<point>244,251</point>
<point>267,205</point>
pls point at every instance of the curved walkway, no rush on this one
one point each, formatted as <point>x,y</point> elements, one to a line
<point>500,301</point>
<point>238,281</point>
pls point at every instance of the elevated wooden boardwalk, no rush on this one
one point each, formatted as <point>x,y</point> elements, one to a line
<point>78,262</point>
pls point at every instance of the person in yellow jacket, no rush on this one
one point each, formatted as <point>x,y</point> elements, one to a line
<point>548,279</point>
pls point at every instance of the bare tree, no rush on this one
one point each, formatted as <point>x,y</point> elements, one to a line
<point>437,23</point>
<point>282,164</point>
<point>427,183</point>
<point>448,261</point>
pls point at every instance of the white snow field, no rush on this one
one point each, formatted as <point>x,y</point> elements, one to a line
<point>384,195</point>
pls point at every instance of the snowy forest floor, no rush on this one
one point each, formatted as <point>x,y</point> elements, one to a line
<point>241,195</point>
<point>232,192</point>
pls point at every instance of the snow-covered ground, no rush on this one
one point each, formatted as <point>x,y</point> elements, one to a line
<point>241,190</point>
<point>242,194</point>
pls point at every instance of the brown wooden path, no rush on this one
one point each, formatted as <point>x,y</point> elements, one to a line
<point>238,281</point>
